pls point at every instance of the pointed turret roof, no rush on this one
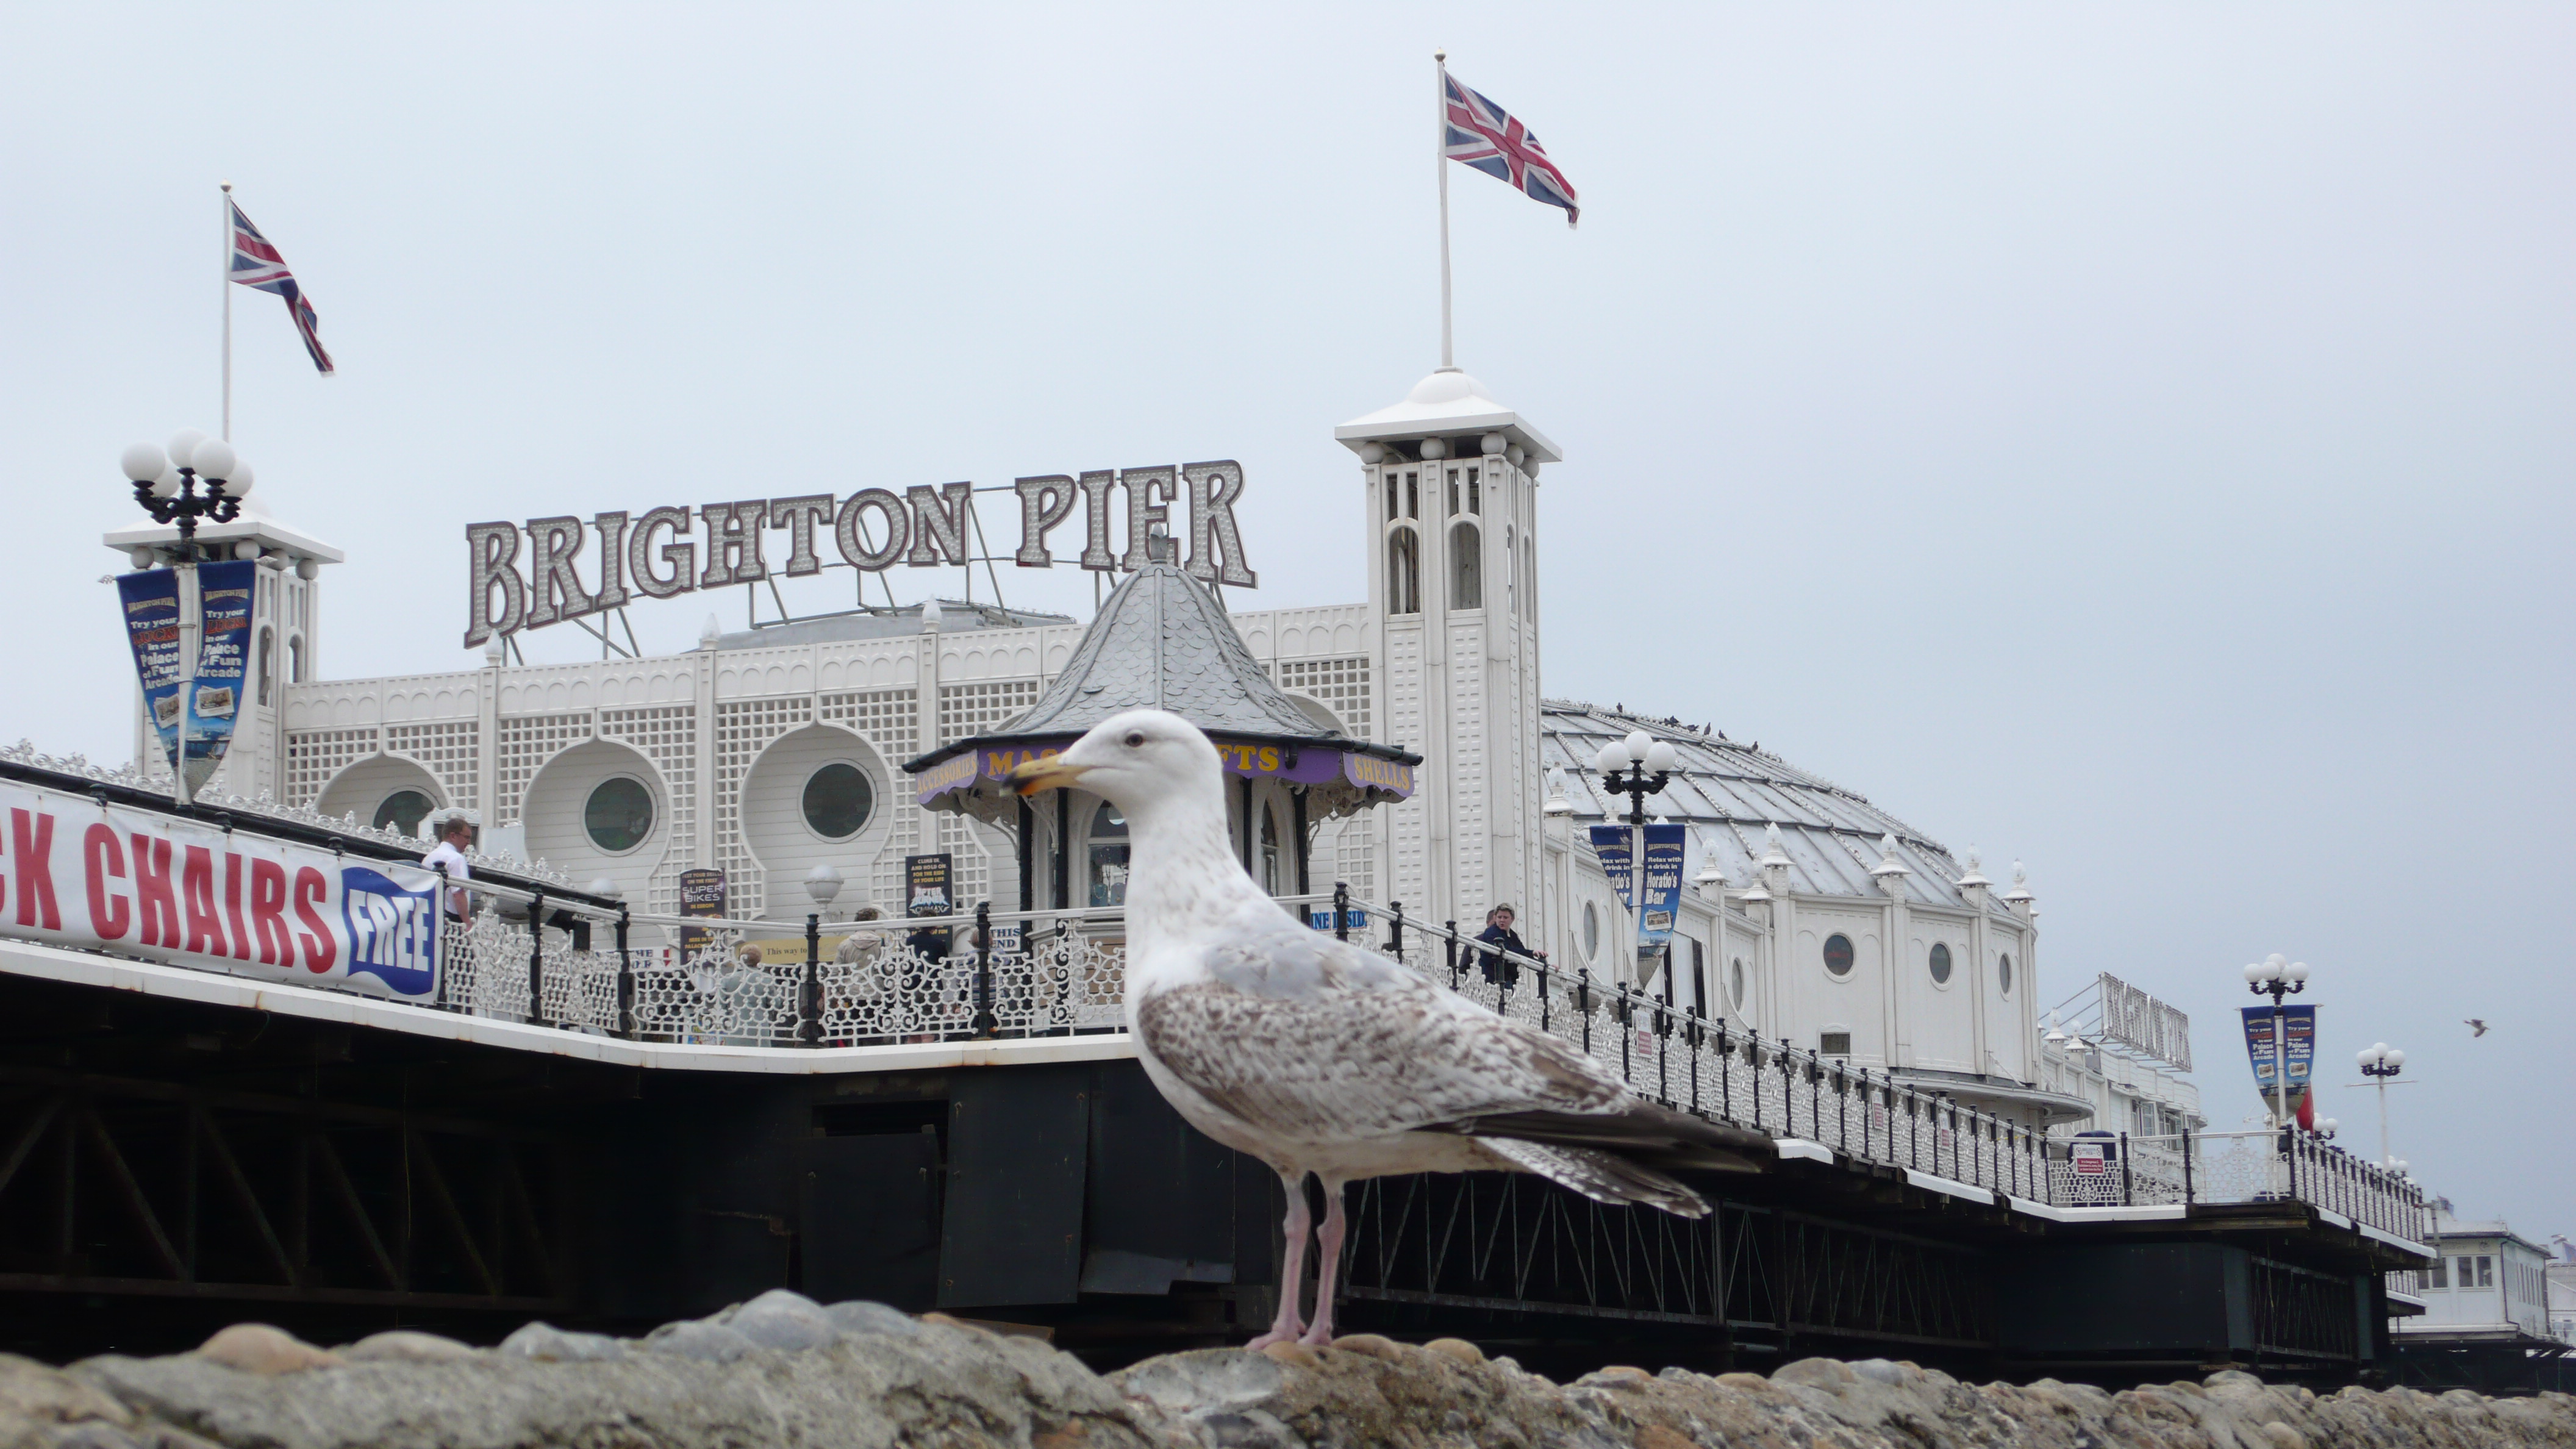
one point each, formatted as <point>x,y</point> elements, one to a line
<point>1161,642</point>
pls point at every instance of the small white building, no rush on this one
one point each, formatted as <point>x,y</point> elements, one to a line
<point>2488,1283</point>
<point>1814,916</point>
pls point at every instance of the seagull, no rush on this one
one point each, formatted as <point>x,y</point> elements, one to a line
<point>2477,1027</point>
<point>1320,1057</point>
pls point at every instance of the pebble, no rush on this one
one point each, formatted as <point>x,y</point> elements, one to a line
<point>548,1344</point>
<point>403,1345</point>
<point>258,1348</point>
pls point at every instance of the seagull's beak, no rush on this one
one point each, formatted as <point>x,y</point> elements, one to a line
<point>1053,773</point>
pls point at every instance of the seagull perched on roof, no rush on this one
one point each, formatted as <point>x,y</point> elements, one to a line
<point>1318,1056</point>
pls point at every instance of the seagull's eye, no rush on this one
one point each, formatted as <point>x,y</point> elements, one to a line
<point>1136,741</point>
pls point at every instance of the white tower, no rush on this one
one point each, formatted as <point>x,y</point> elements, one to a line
<point>284,634</point>
<point>1452,505</point>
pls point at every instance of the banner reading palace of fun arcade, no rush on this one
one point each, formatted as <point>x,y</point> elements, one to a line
<point>77,873</point>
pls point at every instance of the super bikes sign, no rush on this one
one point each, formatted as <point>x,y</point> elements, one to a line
<point>672,550</point>
<point>77,873</point>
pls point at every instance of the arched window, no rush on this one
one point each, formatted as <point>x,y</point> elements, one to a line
<point>295,659</point>
<point>403,810</point>
<point>1591,932</point>
<point>1107,856</point>
<point>267,657</point>
<point>1699,977</point>
<point>1270,850</point>
<point>1735,984</point>
<point>1466,568</point>
<point>1403,573</point>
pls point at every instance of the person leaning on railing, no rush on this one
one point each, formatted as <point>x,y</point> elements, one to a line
<point>1498,968</point>
<point>455,837</point>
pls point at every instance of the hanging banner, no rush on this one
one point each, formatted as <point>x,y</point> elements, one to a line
<point>224,594</point>
<point>1662,891</point>
<point>702,893</point>
<point>151,603</point>
<point>1610,843</point>
<point>2301,1025</point>
<point>926,880</point>
<point>115,878</point>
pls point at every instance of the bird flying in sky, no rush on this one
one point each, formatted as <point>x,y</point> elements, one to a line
<point>2477,1027</point>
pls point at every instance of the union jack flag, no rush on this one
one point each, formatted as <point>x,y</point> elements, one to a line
<point>257,264</point>
<point>1487,137</point>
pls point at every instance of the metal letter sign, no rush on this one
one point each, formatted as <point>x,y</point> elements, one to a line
<point>872,530</point>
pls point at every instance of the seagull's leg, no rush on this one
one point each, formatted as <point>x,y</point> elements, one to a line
<point>1328,1244</point>
<point>1288,1323</point>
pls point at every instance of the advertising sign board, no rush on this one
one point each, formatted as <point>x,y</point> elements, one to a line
<point>927,885</point>
<point>224,593</point>
<point>100,877</point>
<point>151,603</point>
<point>2300,1024</point>
<point>1610,843</point>
<point>702,893</point>
<point>1662,889</point>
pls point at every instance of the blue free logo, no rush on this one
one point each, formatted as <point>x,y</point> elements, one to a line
<point>393,932</point>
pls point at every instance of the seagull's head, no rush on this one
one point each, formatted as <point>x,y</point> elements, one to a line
<point>1138,761</point>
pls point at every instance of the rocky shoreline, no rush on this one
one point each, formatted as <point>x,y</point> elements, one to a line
<point>784,1371</point>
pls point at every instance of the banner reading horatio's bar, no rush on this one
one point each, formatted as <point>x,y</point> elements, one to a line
<point>76,873</point>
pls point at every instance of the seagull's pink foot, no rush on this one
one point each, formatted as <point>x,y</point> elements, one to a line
<point>1287,1334</point>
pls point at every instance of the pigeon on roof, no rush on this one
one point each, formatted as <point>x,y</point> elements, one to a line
<point>1317,1056</point>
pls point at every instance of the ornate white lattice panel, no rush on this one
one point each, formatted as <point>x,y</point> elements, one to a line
<point>314,756</point>
<point>527,742</point>
<point>447,747</point>
<point>1342,684</point>
<point>886,718</point>
<point>968,710</point>
<point>743,730</point>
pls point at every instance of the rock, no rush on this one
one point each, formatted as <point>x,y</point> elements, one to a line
<point>30,1390</point>
<point>1371,1344</point>
<point>859,1316</point>
<point>405,1346</point>
<point>1293,1353</point>
<point>1831,1375</point>
<point>548,1344</point>
<point>1459,1349</point>
<point>783,1320</point>
<point>697,1339</point>
<point>257,1348</point>
<point>2282,1436</point>
<point>1880,1371</point>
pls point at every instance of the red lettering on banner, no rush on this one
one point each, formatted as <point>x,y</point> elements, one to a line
<point>33,839</point>
<point>102,857</point>
<point>320,950</point>
<point>153,900</point>
<point>197,887</point>
<point>268,913</point>
<point>233,904</point>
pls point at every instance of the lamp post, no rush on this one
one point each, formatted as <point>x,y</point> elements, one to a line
<point>166,479</point>
<point>1637,766</point>
<point>2277,978</point>
<point>2379,1062</point>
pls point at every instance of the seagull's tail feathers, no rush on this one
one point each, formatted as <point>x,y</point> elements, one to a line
<point>1601,1176</point>
<point>1639,1130</point>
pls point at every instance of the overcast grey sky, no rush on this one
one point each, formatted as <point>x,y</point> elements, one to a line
<point>2133,439</point>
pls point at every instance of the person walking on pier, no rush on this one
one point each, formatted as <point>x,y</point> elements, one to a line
<point>455,837</point>
<point>1500,969</point>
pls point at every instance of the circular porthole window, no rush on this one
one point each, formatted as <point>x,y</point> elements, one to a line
<point>2003,974</point>
<point>837,801</point>
<point>1941,964</point>
<point>618,815</point>
<point>1838,954</point>
<point>1591,931</point>
<point>1735,983</point>
<point>403,811</point>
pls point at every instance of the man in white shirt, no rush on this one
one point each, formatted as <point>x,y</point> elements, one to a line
<point>455,837</point>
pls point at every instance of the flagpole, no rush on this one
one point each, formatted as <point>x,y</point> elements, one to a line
<point>1440,159</point>
<point>228,309</point>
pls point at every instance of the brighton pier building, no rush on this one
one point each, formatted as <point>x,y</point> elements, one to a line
<point>665,1068</point>
<point>1812,915</point>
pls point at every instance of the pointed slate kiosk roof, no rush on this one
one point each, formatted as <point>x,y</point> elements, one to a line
<point>1162,642</point>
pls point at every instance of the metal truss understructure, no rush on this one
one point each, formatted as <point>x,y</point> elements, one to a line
<point>1753,1277</point>
<point>160,1189</point>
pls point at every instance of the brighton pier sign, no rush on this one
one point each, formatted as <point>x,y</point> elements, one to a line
<point>673,550</point>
